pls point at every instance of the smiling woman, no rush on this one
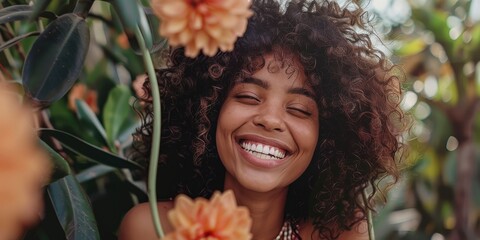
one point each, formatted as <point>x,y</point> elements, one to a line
<point>298,120</point>
<point>264,113</point>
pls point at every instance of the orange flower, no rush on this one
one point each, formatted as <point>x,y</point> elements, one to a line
<point>202,24</point>
<point>80,91</point>
<point>122,41</point>
<point>220,218</point>
<point>24,167</point>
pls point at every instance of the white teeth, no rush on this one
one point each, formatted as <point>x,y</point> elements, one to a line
<point>263,152</point>
<point>266,150</point>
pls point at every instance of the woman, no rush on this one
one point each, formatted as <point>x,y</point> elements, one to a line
<point>298,120</point>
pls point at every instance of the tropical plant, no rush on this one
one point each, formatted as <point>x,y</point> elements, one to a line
<point>438,45</point>
<point>75,61</point>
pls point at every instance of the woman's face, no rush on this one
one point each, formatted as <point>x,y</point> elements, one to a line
<point>268,127</point>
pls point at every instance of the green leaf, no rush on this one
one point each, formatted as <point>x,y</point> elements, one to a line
<point>144,26</point>
<point>148,25</point>
<point>39,7</point>
<point>114,56</point>
<point>473,47</point>
<point>87,116</point>
<point>20,12</point>
<point>411,47</point>
<point>64,118</point>
<point>96,154</point>
<point>56,59</point>
<point>94,172</point>
<point>436,22</point>
<point>128,13</point>
<point>61,168</point>
<point>159,42</point>
<point>17,39</point>
<point>137,189</point>
<point>73,209</point>
<point>15,13</point>
<point>145,29</point>
<point>118,115</point>
<point>130,60</point>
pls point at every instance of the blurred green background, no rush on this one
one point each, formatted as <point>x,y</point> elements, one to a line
<point>437,43</point>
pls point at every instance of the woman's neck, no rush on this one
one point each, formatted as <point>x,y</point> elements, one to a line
<point>267,209</point>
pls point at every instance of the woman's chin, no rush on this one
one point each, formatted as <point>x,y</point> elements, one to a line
<point>260,184</point>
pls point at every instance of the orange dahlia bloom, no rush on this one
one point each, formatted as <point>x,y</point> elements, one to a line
<point>220,219</point>
<point>202,24</point>
<point>24,167</point>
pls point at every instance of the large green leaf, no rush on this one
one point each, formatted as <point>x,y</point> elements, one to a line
<point>73,209</point>
<point>118,115</point>
<point>60,165</point>
<point>56,59</point>
<point>90,151</point>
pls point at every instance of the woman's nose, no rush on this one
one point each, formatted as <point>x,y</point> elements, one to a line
<point>271,118</point>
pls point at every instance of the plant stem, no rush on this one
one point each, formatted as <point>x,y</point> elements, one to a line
<point>371,232</point>
<point>83,7</point>
<point>14,72</point>
<point>154,153</point>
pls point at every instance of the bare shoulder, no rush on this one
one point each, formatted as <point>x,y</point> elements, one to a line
<point>138,223</point>
<point>358,232</point>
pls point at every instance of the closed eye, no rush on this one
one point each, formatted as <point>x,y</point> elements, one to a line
<point>247,99</point>
<point>299,112</point>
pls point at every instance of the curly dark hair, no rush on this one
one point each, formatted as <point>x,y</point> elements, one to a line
<point>358,93</point>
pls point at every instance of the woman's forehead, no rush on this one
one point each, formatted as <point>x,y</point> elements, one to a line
<point>289,65</point>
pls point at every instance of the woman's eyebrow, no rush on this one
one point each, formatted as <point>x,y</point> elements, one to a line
<point>256,81</point>
<point>303,91</point>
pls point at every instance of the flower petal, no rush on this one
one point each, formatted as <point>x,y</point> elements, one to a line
<point>170,27</point>
<point>185,22</point>
<point>195,21</point>
<point>172,9</point>
<point>219,218</point>
<point>201,40</point>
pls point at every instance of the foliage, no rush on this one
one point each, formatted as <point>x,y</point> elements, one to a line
<point>75,61</point>
<point>87,132</point>
<point>438,46</point>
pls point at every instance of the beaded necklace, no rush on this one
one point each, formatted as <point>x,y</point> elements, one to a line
<point>288,232</point>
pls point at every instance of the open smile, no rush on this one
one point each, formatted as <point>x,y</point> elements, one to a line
<point>263,151</point>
